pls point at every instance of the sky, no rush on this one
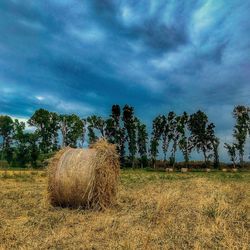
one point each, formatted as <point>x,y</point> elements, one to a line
<point>82,56</point>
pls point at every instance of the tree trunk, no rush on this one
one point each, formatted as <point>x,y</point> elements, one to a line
<point>153,161</point>
<point>133,162</point>
<point>205,157</point>
<point>186,159</point>
<point>165,156</point>
<point>233,163</point>
<point>241,159</point>
<point>2,153</point>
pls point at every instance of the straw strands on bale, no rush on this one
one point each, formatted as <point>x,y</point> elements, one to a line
<point>85,178</point>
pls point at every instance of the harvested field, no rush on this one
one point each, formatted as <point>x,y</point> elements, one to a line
<point>154,211</point>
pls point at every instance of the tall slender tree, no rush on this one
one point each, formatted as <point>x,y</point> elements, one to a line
<point>112,125</point>
<point>33,148</point>
<point>158,126</point>
<point>142,139</point>
<point>84,129</point>
<point>118,131</point>
<point>202,136</point>
<point>130,128</point>
<point>6,134</point>
<point>232,152</point>
<point>185,143</point>
<point>26,145</point>
<point>215,144</point>
<point>165,137</point>
<point>20,137</point>
<point>241,129</point>
<point>174,134</point>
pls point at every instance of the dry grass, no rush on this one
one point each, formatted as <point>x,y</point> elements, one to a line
<point>154,211</point>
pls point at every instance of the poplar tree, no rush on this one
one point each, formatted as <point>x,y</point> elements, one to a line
<point>241,129</point>
<point>185,143</point>
<point>158,125</point>
<point>142,140</point>
<point>6,134</point>
<point>202,133</point>
<point>232,152</point>
<point>130,128</point>
<point>174,134</point>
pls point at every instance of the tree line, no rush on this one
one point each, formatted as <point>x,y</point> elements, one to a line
<point>135,145</point>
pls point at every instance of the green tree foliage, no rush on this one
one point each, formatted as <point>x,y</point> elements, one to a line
<point>142,140</point>
<point>112,125</point>
<point>215,144</point>
<point>232,152</point>
<point>72,129</point>
<point>84,130</point>
<point>202,133</point>
<point>114,132</point>
<point>26,146</point>
<point>174,134</point>
<point>21,144</point>
<point>33,148</point>
<point>130,128</point>
<point>17,145</point>
<point>119,132</point>
<point>185,142</point>
<point>165,130</point>
<point>241,129</point>
<point>47,125</point>
<point>96,125</point>
<point>6,133</point>
<point>158,126</point>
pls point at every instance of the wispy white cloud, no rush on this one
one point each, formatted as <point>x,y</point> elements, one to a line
<point>40,98</point>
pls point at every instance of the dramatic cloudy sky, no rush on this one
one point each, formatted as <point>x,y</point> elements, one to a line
<point>82,56</point>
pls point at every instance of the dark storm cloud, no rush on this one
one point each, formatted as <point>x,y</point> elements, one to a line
<point>83,56</point>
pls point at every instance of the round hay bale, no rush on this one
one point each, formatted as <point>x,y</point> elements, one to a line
<point>208,169</point>
<point>184,170</point>
<point>86,178</point>
<point>169,169</point>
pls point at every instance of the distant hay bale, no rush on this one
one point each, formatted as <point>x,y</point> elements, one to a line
<point>208,169</point>
<point>224,170</point>
<point>184,170</point>
<point>86,178</point>
<point>234,170</point>
<point>169,169</point>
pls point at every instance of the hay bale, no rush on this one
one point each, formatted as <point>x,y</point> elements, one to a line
<point>169,170</point>
<point>86,178</point>
<point>234,170</point>
<point>184,170</point>
<point>208,169</point>
<point>224,170</point>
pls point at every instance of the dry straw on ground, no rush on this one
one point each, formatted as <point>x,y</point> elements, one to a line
<point>155,210</point>
<point>85,178</point>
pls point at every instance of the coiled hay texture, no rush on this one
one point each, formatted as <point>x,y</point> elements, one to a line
<point>86,178</point>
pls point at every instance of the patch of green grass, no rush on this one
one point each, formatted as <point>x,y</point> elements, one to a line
<point>17,176</point>
<point>140,176</point>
